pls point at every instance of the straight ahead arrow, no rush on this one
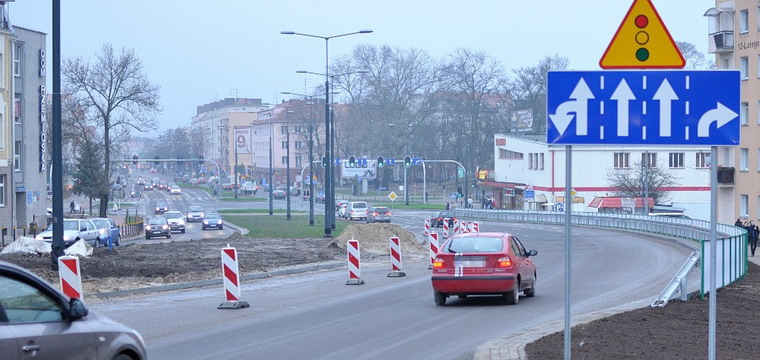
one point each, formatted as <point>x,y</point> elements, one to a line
<point>665,95</point>
<point>721,115</point>
<point>582,93</point>
<point>622,95</point>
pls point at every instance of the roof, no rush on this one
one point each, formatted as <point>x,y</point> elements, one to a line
<point>616,202</point>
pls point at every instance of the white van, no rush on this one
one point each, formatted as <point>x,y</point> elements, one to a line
<point>357,210</point>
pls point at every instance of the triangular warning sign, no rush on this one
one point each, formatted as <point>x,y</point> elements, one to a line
<point>642,42</point>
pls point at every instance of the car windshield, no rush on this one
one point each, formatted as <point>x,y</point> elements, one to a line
<point>157,221</point>
<point>70,225</point>
<point>173,215</point>
<point>446,214</point>
<point>195,209</point>
<point>101,223</point>
<point>160,204</point>
<point>381,210</point>
<point>213,216</point>
<point>475,245</point>
<point>359,205</point>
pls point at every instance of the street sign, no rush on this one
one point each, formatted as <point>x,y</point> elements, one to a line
<point>643,107</point>
<point>460,172</point>
<point>642,42</point>
<point>530,195</point>
<point>392,196</point>
<point>416,161</point>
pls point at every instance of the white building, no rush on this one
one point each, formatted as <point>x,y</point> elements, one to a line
<point>522,164</point>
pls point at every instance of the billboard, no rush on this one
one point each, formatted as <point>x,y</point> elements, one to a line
<point>522,120</point>
<point>366,170</point>
<point>243,140</point>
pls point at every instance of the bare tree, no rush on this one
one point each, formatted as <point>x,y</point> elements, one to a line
<point>119,95</point>
<point>632,182</point>
<point>694,59</point>
<point>528,88</point>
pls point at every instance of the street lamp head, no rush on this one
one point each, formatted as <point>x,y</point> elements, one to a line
<point>287,32</point>
<point>365,31</point>
<point>301,71</point>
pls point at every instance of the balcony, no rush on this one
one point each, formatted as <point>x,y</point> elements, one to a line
<point>725,175</point>
<point>721,42</point>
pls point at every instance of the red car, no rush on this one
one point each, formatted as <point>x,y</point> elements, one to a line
<point>483,264</point>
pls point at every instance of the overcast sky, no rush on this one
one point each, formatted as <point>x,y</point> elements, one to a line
<point>202,51</point>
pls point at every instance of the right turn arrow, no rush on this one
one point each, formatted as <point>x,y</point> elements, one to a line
<point>721,115</point>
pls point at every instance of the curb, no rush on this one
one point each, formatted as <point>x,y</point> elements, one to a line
<point>290,270</point>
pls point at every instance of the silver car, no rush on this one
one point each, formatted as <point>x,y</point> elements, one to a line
<point>37,321</point>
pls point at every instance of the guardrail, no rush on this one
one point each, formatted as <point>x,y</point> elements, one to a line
<point>731,244</point>
<point>132,228</point>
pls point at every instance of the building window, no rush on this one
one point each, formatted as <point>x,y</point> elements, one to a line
<point>621,160</point>
<point>649,159</point>
<point>744,67</point>
<point>283,129</point>
<point>530,161</point>
<point>676,160</point>
<point>297,129</point>
<point>743,21</point>
<point>298,144</point>
<point>2,190</point>
<point>744,205</point>
<point>284,160</point>
<point>17,60</point>
<point>298,161</point>
<point>17,156</point>
<point>507,154</point>
<point>284,145</point>
<point>744,159</point>
<point>702,159</point>
<point>541,162</point>
<point>17,108</point>
<point>758,207</point>
<point>744,116</point>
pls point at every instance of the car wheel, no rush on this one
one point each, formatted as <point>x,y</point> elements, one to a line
<point>439,297</point>
<point>147,237</point>
<point>203,228</point>
<point>512,297</point>
<point>182,231</point>
<point>169,236</point>
<point>532,291</point>
<point>122,357</point>
<point>97,243</point>
<point>221,227</point>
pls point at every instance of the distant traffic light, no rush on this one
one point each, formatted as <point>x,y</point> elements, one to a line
<point>201,159</point>
<point>134,159</point>
<point>380,162</point>
<point>156,158</point>
<point>351,161</point>
<point>407,161</point>
<point>324,161</point>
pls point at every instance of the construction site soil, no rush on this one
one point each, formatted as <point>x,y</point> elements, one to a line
<point>676,331</point>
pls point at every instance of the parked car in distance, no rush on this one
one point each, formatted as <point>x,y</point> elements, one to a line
<point>38,319</point>
<point>73,231</point>
<point>176,223</point>
<point>108,231</point>
<point>483,264</point>
<point>278,194</point>
<point>213,221</point>
<point>157,226</point>
<point>356,210</point>
<point>379,214</point>
<point>161,207</point>
<point>175,190</point>
<point>147,187</point>
<point>340,203</point>
<point>438,216</point>
<point>195,213</point>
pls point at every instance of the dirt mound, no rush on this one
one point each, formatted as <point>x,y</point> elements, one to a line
<point>373,238</point>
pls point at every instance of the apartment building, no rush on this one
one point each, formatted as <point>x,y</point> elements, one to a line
<point>734,39</point>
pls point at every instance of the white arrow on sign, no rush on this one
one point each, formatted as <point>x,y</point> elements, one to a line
<point>665,95</point>
<point>622,95</point>
<point>721,115</point>
<point>578,105</point>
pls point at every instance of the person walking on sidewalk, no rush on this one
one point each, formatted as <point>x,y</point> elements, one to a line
<point>752,231</point>
<point>72,206</point>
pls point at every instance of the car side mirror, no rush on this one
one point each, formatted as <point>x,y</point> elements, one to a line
<point>77,309</point>
<point>532,253</point>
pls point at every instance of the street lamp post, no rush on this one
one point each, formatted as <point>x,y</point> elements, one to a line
<point>287,160</point>
<point>311,157</point>
<point>329,190</point>
<point>271,165</point>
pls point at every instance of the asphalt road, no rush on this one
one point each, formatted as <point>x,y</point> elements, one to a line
<point>316,316</point>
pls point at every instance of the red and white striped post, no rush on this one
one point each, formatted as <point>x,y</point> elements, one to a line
<point>427,228</point>
<point>231,280</point>
<point>433,240</point>
<point>475,226</point>
<point>71,277</point>
<point>463,227</point>
<point>446,228</point>
<point>354,263</point>
<point>456,226</point>
<point>395,248</point>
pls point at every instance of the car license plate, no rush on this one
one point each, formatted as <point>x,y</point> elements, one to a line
<point>472,263</point>
<point>156,232</point>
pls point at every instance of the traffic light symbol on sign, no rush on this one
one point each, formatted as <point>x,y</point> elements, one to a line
<point>380,161</point>
<point>351,161</point>
<point>407,161</point>
<point>642,42</point>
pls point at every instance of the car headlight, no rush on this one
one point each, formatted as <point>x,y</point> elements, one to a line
<point>66,238</point>
<point>147,227</point>
<point>38,237</point>
<point>205,222</point>
<point>220,222</point>
<point>165,227</point>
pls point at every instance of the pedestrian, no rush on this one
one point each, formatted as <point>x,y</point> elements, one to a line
<point>448,206</point>
<point>753,235</point>
<point>72,206</point>
<point>738,222</point>
<point>469,202</point>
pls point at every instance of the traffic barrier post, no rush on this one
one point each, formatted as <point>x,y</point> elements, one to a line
<point>354,263</point>
<point>427,228</point>
<point>70,276</point>
<point>231,280</point>
<point>395,249</point>
<point>463,227</point>
<point>475,226</point>
<point>446,228</point>
<point>433,242</point>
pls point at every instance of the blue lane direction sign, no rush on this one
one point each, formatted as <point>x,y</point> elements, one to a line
<point>416,161</point>
<point>643,107</point>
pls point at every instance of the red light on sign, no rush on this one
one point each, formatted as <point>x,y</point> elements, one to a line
<point>641,21</point>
